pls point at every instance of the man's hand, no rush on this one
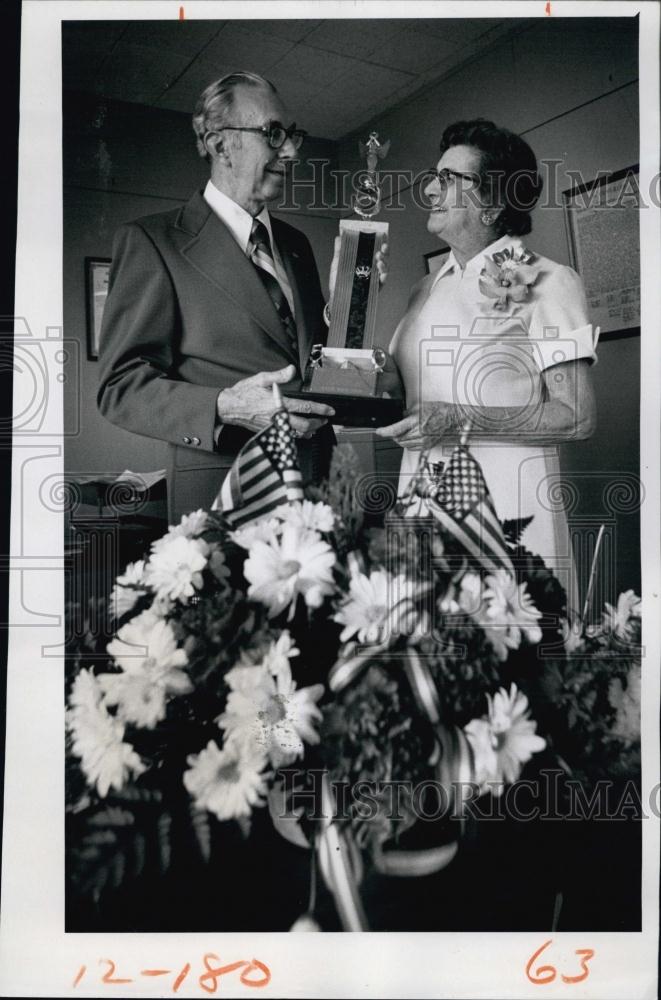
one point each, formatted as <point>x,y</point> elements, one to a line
<point>381,260</point>
<point>424,427</point>
<point>249,403</point>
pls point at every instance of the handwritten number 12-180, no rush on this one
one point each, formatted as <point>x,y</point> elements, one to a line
<point>253,973</point>
<point>542,974</point>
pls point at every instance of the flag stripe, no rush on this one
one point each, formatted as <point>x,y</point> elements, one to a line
<point>252,460</point>
<point>466,540</point>
<point>461,502</point>
<point>486,531</point>
<point>243,516</point>
<point>277,494</point>
<point>260,486</point>
<point>264,475</point>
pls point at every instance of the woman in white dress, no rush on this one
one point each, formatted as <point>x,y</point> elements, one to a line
<point>497,336</point>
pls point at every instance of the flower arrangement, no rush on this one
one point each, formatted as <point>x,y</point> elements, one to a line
<point>312,640</point>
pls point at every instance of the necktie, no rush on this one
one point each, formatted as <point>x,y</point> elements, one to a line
<point>262,258</point>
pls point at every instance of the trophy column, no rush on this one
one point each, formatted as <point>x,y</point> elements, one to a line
<point>353,318</point>
<point>359,381</point>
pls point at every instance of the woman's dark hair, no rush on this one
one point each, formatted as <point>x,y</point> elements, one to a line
<point>508,170</point>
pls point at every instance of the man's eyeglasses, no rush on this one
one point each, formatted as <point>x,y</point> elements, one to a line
<point>445,176</point>
<point>276,134</point>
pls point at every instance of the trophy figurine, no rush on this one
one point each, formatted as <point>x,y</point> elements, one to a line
<point>359,381</point>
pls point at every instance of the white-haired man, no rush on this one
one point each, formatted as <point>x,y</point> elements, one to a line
<point>212,303</point>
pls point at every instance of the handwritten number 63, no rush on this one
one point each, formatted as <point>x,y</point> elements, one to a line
<point>547,973</point>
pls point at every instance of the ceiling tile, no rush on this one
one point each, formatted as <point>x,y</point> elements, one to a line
<point>296,95</point>
<point>334,75</point>
<point>459,31</point>
<point>293,30</point>
<point>359,37</point>
<point>138,73</point>
<point>186,37</point>
<point>184,92</point>
<point>367,82</point>
<point>251,49</point>
<point>84,36</point>
<point>314,65</point>
<point>415,51</point>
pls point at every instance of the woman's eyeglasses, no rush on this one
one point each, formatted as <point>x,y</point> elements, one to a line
<point>276,134</point>
<point>445,176</point>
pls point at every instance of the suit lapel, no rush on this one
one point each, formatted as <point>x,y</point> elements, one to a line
<point>213,251</point>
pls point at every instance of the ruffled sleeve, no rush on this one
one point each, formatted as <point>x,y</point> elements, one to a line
<point>560,326</point>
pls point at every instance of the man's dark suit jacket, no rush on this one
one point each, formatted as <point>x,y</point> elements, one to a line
<point>186,316</point>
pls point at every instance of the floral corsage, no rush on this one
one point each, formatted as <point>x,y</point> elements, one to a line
<point>507,276</point>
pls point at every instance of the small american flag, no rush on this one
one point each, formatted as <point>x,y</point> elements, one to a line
<point>264,475</point>
<point>462,504</point>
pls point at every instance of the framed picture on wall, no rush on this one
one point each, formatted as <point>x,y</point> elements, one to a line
<point>97,270</point>
<point>604,247</point>
<point>436,259</point>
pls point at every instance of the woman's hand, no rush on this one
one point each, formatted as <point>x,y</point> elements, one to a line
<point>381,261</point>
<point>425,426</point>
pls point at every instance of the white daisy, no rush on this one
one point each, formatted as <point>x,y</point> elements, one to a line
<point>300,562</point>
<point>190,526</point>
<point>364,611</point>
<point>376,605</point>
<point>129,586</point>
<point>572,633</point>
<point>627,703</point>
<point>617,619</point>
<point>175,570</point>
<point>98,738</point>
<point>218,563</point>
<point>264,531</point>
<point>510,611</point>
<point>471,594</point>
<point>269,712</point>
<point>307,514</point>
<point>277,657</point>
<point>504,741</point>
<point>228,783</point>
<point>146,650</point>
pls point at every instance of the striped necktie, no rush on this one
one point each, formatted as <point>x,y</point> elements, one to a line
<point>262,258</point>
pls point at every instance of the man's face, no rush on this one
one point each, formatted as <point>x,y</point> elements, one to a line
<point>250,171</point>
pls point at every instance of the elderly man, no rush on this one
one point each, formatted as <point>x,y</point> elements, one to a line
<point>212,303</point>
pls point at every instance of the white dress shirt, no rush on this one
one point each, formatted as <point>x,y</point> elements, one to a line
<point>239,222</point>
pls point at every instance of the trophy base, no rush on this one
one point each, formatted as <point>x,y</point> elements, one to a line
<point>355,411</point>
<point>362,394</point>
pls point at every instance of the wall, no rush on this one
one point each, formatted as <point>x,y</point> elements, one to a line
<point>570,86</point>
<point>122,161</point>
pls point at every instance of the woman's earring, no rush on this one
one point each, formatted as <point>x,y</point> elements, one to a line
<point>486,219</point>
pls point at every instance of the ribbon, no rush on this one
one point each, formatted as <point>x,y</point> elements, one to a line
<point>340,865</point>
<point>454,770</point>
<point>344,672</point>
<point>423,687</point>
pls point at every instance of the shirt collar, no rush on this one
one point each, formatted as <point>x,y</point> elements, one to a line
<point>476,263</point>
<point>238,221</point>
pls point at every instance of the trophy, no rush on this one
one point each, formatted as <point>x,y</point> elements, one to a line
<point>359,381</point>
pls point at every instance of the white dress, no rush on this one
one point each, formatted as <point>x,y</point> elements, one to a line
<point>452,345</point>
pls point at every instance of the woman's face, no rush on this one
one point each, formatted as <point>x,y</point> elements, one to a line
<point>456,208</point>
